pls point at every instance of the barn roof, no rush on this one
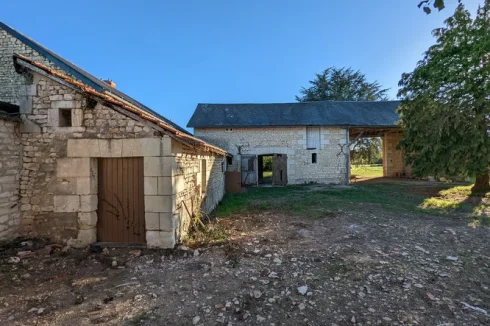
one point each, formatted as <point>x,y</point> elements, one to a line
<point>322,113</point>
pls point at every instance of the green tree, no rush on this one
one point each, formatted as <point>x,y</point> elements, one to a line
<point>342,84</point>
<point>367,151</point>
<point>445,108</point>
<point>345,84</point>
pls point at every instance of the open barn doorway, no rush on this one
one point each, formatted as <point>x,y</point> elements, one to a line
<point>265,169</point>
<point>272,170</point>
<point>374,154</point>
<point>366,158</point>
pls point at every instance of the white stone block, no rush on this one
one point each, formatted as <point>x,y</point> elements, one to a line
<point>166,144</point>
<point>165,186</point>
<point>168,222</point>
<point>151,185</point>
<point>152,221</point>
<point>87,220</point>
<point>158,239</point>
<point>66,204</point>
<point>66,104</point>
<point>159,204</point>
<point>141,147</point>
<point>148,147</point>
<point>88,203</point>
<point>87,185</point>
<point>128,147</point>
<point>153,166</point>
<point>77,117</point>
<point>115,148</point>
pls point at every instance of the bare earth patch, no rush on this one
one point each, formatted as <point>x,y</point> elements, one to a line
<point>365,266</point>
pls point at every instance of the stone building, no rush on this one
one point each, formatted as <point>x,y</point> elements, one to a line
<point>83,162</point>
<point>308,142</point>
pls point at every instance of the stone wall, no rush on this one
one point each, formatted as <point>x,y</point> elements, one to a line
<point>14,85</point>
<point>393,158</point>
<point>57,193</point>
<point>331,156</point>
<point>10,166</point>
<point>195,192</point>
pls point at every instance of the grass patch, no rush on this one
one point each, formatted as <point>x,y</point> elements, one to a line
<point>308,201</point>
<point>480,220</point>
<point>367,171</point>
<point>441,203</point>
<point>459,198</point>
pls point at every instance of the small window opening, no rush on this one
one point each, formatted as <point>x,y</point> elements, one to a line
<point>229,130</point>
<point>65,118</point>
<point>229,160</point>
<point>313,158</point>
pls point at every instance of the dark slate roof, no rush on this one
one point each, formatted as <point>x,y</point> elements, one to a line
<point>82,75</point>
<point>323,113</point>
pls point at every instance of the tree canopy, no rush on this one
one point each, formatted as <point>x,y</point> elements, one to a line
<point>445,108</point>
<point>342,84</point>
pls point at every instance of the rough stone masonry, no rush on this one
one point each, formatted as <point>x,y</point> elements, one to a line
<point>10,167</point>
<point>49,167</point>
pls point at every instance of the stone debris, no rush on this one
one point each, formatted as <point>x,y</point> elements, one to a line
<point>421,249</point>
<point>257,294</point>
<point>483,311</point>
<point>452,258</point>
<point>373,275</point>
<point>136,253</point>
<point>302,289</point>
<point>14,260</point>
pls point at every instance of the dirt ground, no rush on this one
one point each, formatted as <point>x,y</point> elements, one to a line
<point>363,267</point>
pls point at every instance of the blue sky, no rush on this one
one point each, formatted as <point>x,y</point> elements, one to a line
<point>171,55</point>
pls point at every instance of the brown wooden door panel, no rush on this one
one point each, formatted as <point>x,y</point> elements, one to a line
<point>121,210</point>
<point>280,170</point>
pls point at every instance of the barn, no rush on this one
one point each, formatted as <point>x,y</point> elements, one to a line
<point>307,142</point>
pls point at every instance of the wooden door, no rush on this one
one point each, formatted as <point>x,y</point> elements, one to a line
<point>280,170</point>
<point>121,209</point>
